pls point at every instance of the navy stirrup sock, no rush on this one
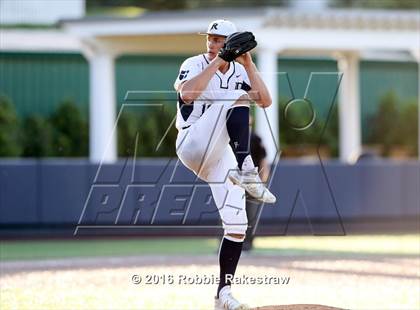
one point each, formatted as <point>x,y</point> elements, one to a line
<point>237,124</point>
<point>230,252</point>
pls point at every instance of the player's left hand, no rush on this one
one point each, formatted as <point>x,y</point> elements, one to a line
<point>245,59</point>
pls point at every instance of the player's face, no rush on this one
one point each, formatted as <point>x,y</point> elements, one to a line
<point>214,44</point>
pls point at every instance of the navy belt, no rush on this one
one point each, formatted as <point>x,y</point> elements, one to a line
<point>185,127</point>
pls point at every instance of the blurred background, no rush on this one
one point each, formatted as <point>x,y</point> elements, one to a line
<point>86,125</point>
<point>45,68</point>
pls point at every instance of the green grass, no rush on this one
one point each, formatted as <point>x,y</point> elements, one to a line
<point>362,244</point>
<point>284,245</point>
<point>121,11</point>
<point>28,250</point>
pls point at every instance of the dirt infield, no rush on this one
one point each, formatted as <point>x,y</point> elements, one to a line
<point>349,282</point>
<point>296,307</point>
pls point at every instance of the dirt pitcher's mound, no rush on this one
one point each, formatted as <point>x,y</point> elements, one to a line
<point>297,307</point>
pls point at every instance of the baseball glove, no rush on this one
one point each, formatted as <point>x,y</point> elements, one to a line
<point>237,44</point>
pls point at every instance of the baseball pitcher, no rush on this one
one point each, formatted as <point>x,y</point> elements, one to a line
<point>214,93</point>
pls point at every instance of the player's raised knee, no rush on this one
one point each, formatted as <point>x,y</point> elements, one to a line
<point>238,236</point>
<point>235,237</point>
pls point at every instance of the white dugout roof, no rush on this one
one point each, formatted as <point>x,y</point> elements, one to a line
<point>345,35</point>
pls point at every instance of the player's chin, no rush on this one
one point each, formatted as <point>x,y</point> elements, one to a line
<point>211,54</point>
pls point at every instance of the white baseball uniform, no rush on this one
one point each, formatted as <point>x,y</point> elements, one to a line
<point>203,141</point>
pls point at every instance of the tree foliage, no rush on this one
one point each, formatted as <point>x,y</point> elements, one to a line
<point>297,130</point>
<point>409,122</point>
<point>392,126</point>
<point>37,137</point>
<point>70,131</point>
<point>153,129</point>
<point>159,5</point>
<point>10,143</point>
<point>65,133</point>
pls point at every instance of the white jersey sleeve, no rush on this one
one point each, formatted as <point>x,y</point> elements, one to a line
<point>190,68</point>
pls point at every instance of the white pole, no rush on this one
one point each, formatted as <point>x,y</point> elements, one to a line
<point>267,121</point>
<point>416,54</point>
<point>102,138</point>
<point>349,108</point>
<point>418,103</point>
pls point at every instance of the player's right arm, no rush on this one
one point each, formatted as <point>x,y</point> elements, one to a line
<point>192,88</point>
